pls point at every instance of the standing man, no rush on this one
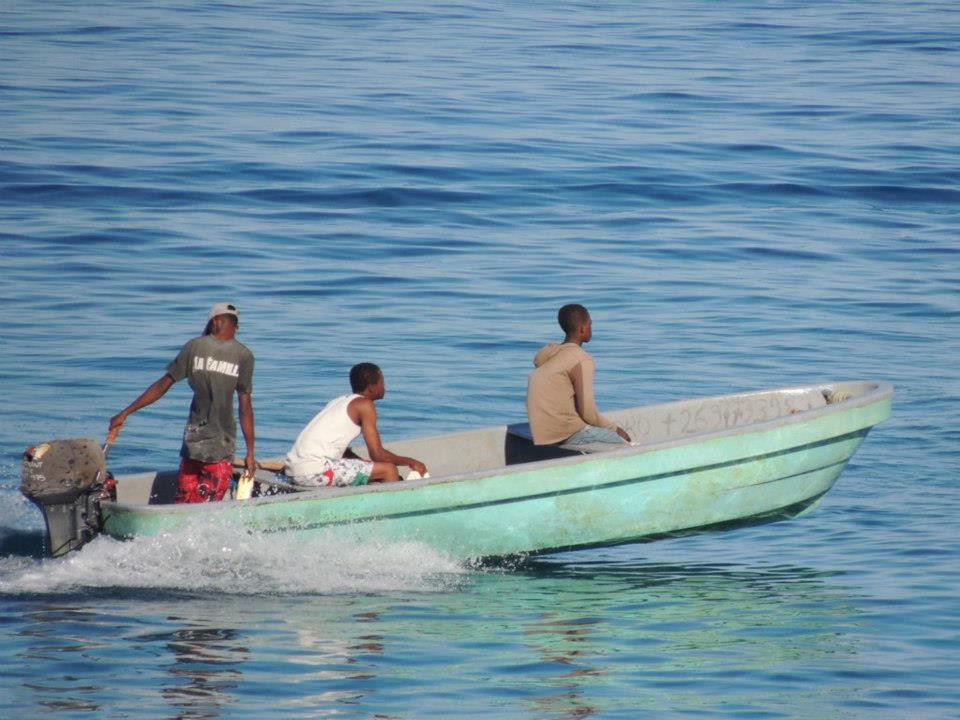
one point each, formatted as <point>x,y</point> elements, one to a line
<point>216,366</point>
<point>560,403</point>
<point>321,455</point>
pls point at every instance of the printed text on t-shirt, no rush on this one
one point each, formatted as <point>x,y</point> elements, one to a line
<point>211,364</point>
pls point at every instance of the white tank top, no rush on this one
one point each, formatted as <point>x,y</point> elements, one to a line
<point>325,438</point>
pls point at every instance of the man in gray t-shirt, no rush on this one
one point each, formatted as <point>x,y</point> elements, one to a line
<point>216,366</point>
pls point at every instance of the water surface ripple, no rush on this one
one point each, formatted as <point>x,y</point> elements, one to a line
<point>746,195</point>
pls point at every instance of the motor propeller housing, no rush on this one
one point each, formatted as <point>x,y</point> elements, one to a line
<point>64,478</point>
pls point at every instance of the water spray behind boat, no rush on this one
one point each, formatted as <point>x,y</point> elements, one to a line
<point>67,479</point>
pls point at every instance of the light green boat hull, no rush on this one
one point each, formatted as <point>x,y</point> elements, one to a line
<point>702,465</point>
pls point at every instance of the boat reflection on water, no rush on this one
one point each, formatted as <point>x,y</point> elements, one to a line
<point>206,668</point>
<point>97,648</point>
<point>551,637</point>
<point>598,637</point>
<point>573,640</point>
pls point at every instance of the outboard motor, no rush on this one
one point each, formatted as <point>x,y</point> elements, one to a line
<point>65,479</point>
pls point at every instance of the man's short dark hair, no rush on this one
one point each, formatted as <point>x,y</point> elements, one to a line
<point>363,375</point>
<point>572,316</point>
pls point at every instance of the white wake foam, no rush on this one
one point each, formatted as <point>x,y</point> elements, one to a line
<point>207,557</point>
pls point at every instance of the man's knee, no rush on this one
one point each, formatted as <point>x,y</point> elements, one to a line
<point>384,472</point>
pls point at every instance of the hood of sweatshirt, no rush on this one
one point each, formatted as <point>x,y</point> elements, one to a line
<point>550,350</point>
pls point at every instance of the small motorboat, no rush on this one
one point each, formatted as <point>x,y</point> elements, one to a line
<point>694,466</point>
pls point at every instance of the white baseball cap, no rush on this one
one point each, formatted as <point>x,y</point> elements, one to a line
<point>223,309</point>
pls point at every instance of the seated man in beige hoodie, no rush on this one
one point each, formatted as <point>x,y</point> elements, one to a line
<point>560,403</point>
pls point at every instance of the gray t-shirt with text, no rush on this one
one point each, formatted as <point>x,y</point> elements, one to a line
<point>215,369</point>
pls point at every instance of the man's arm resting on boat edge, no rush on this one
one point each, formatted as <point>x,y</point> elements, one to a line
<point>371,436</point>
<point>585,402</point>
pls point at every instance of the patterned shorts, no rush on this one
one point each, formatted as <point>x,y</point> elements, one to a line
<point>338,473</point>
<point>202,481</point>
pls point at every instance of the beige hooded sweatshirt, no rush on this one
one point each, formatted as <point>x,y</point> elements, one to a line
<point>560,398</point>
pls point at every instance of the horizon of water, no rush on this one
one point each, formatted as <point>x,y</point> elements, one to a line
<point>745,195</point>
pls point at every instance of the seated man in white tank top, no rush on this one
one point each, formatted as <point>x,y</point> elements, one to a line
<point>321,454</point>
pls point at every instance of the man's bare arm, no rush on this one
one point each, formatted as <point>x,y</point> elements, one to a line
<point>246,426</point>
<point>371,436</point>
<point>153,393</point>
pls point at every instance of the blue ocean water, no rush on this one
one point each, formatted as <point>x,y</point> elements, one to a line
<point>745,194</point>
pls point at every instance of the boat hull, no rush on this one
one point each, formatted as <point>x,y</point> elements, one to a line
<point>757,472</point>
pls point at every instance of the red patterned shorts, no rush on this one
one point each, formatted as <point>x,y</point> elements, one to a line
<point>202,482</point>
